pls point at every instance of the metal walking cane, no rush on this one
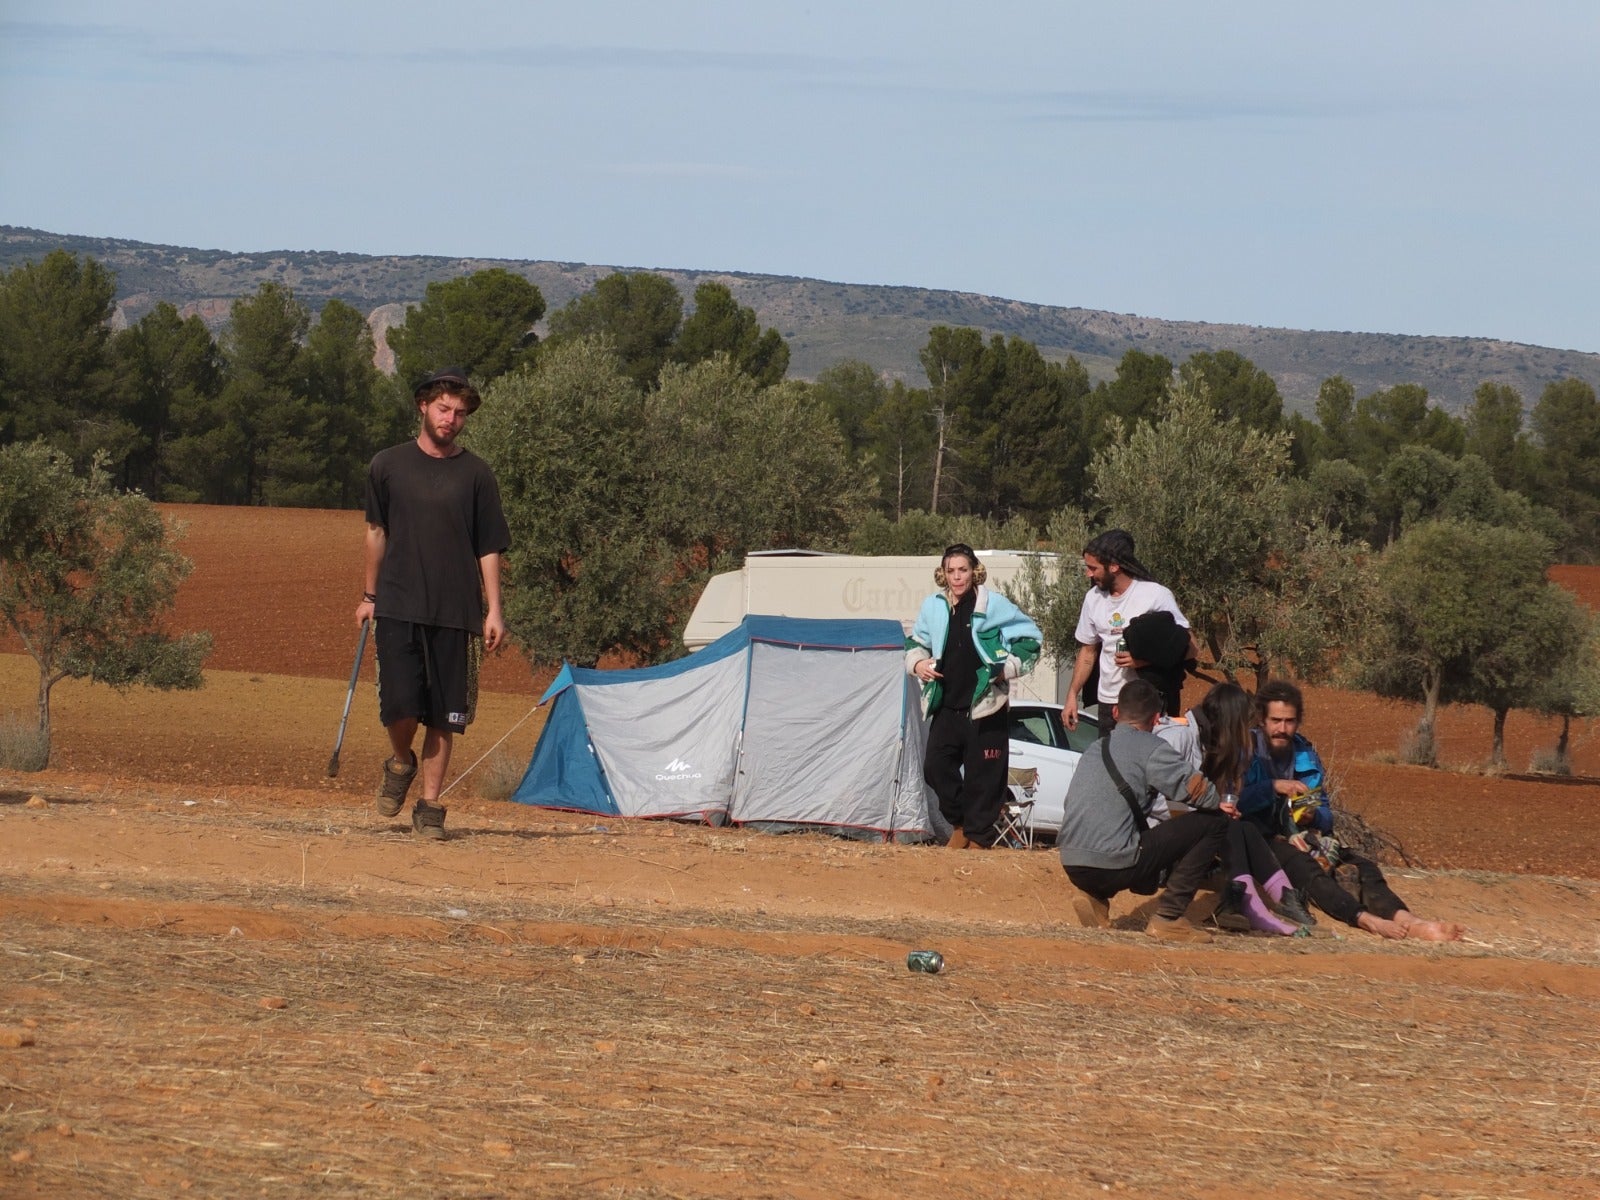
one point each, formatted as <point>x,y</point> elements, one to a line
<point>355,671</point>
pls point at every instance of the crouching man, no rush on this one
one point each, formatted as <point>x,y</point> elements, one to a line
<point>1106,841</point>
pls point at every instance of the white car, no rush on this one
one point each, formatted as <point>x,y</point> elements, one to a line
<point>1039,739</point>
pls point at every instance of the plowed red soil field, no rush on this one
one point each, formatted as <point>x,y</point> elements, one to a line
<point>222,973</point>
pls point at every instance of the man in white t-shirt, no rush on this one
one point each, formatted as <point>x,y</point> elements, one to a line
<point>1122,590</point>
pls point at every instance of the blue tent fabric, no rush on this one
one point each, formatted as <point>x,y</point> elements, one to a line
<point>819,633</point>
<point>564,772</point>
<point>789,735</point>
<point>559,684</point>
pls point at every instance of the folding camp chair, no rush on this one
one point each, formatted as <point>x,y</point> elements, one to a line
<point>1013,826</point>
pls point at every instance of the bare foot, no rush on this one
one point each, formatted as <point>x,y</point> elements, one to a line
<point>1392,930</point>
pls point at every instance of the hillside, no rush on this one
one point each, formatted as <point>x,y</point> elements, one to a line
<point>825,322</point>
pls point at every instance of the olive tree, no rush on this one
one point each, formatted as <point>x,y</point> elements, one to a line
<point>1453,592</point>
<point>1571,689</point>
<point>741,467</point>
<point>1211,509</point>
<point>1216,517</point>
<point>586,572</point>
<point>1053,596</point>
<point>623,503</point>
<point>87,577</point>
<point>1535,658</point>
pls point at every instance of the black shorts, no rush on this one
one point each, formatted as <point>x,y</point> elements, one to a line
<point>428,673</point>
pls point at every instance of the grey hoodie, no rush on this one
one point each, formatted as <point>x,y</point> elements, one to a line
<point>1097,830</point>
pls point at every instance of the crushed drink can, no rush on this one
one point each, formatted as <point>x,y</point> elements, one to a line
<point>927,962</point>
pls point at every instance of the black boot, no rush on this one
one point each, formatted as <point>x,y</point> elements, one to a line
<point>1229,913</point>
<point>1291,907</point>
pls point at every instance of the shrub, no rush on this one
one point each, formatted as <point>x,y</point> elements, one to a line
<point>1549,761</point>
<point>23,745</point>
<point>1419,749</point>
<point>498,777</point>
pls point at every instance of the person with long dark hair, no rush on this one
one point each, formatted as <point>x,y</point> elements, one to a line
<point>1258,892</point>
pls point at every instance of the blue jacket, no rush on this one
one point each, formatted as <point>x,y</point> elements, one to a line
<point>1006,638</point>
<point>1259,799</point>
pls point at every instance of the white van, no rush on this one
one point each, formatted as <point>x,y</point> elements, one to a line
<point>804,583</point>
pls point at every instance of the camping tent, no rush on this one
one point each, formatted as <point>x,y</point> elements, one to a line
<point>781,722</point>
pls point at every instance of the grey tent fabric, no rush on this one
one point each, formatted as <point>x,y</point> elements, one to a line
<point>670,744</point>
<point>822,761</point>
<point>782,723</point>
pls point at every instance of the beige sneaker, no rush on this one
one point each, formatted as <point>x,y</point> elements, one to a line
<point>428,820</point>
<point>396,783</point>
<point>1175,929</point>
<point>1092,912</point>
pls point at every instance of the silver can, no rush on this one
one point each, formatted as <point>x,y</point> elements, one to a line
<point>926,962</point>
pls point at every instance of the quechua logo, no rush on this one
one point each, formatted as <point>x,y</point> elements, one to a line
<point>675,770</point>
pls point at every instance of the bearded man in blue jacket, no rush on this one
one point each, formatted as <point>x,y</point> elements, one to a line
<point>1285,792</point>
<point>966,647</point>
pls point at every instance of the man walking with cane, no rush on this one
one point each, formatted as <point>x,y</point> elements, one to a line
<point>435,536</point>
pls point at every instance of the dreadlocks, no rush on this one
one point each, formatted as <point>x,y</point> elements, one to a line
<point>1116,546</point>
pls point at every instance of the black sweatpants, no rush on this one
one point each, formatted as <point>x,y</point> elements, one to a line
<point>1324,891</point>
<point>1246,852</point>
<point>965,764</point>
<point>1180,850</point>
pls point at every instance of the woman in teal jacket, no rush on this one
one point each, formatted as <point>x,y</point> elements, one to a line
<point>966,647</point>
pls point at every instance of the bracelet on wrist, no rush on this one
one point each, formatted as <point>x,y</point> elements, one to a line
<point>368,598</point>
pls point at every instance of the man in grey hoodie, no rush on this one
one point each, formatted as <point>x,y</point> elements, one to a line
<point>1105,849</point>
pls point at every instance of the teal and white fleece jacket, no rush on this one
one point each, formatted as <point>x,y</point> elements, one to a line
<point>1006,638</point>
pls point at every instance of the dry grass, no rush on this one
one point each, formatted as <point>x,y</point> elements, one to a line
<point>23,746</point>
<point>1547,760</point>
<point>497,776</point>
<point>488,1061</point>
<point>1419,747</point>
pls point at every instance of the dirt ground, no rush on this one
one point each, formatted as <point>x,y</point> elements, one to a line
<point>222,973</point>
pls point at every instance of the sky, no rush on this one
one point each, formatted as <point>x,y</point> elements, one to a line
<point>1394,167</point>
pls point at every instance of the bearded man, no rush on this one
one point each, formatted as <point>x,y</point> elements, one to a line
<point>1121,590</point>
<point>1286,794</point>
<point>435,536</point>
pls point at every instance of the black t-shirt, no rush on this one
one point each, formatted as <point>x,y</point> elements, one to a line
<point>959,666</point>
<point>440,515</point>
